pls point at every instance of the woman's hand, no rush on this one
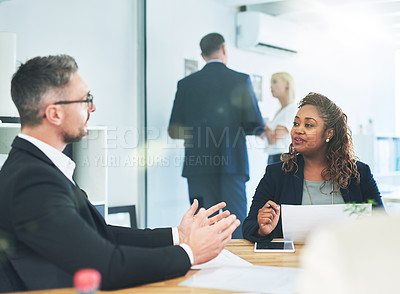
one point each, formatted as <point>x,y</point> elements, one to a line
<point>268,217</point>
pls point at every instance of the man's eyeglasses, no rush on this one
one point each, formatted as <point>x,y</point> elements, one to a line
<point>89,101</point>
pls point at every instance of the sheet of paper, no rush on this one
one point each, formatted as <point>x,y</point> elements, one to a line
<point>225,258</point>
<point>299,220</point>
<point>256,279</point>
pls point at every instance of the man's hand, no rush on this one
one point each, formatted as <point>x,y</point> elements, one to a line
<point>207,241</point>
<point>206,235</point>
<point>268,217</point>
<point>188,218</point>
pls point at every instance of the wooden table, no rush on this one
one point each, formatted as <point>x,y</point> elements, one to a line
<point>241,248</point>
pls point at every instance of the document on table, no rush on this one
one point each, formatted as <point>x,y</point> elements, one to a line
<point>257,279</point>
<point>225,258</point>
<point>299,220</point>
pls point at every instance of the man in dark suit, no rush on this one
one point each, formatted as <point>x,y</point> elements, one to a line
<point>214,109</point>
<point>48,228</point>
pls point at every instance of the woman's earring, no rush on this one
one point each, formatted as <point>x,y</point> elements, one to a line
<point>327,140</point>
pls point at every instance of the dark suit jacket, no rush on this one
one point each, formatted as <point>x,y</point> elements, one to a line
<point>49,230</point>
<point>287,188</point>
<point>214,109</point>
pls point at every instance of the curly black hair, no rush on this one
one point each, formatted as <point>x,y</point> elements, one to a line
<point>340,154</point>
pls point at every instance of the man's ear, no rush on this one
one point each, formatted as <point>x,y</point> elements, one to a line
<point>53,114</point>
<point>223,48</point>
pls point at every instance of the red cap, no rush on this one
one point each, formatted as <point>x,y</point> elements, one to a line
<point>87,280</point>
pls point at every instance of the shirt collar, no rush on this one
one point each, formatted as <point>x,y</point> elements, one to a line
<point>214,60</point>
<point>60,160</point>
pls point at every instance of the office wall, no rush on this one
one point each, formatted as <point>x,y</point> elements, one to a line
<point>356,72</point>
<point>101,35</point>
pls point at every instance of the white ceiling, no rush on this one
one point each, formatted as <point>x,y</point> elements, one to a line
<point>383,15</point>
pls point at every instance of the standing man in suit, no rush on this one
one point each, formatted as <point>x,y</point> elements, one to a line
<point>49,229</point>
<point>214,109</point>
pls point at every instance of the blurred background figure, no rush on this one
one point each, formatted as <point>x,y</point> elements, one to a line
<point>351,258</point>
<point>277,130</point>
<point>214,110</point>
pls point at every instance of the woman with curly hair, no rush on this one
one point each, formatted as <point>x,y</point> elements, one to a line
<point>320,168</point>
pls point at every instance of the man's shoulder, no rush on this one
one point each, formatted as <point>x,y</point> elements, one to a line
<point>24,158</point>
<point>23,172</point>
<point>189,77</point>
<point>21,163</point>
<point>229,71</point>
<point>215,67</point>
<point>23,148</point>
<point>238,73</point>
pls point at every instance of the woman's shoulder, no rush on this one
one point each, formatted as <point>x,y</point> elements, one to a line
<point>363,168</point>
<point>362,165</point>
<point>275,169</point>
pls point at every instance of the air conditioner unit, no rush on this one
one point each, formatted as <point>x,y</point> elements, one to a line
<point>263,33</point>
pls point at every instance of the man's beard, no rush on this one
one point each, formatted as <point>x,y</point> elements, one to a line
<point>76,138</point>
<point>68,138</point>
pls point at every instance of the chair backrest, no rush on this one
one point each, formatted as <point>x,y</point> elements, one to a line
<point>129,209</point>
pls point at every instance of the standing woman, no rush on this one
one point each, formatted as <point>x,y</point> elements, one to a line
<point>320,168</point>
<point>277,131</point>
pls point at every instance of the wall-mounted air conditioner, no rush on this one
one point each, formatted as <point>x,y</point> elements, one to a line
<point>263,33</point>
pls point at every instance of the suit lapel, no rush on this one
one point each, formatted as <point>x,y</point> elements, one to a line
<point>298,180</point>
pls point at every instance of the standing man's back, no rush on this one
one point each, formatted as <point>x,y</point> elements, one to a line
<point>214,109</point>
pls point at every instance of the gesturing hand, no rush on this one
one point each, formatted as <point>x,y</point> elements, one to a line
<point>268,217</point>
<point>207,241</point>
<point>188,219</point>
<point>206,235</point>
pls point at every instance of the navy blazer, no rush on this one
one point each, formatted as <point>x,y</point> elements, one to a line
<point>287,188</point>
<point>214,109</point>
<point>49,230</point>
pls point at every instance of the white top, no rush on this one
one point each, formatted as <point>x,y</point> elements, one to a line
<point>283,117</point>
